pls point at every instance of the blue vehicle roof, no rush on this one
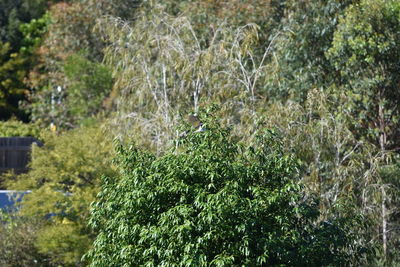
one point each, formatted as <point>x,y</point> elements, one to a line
<point>8,198</point>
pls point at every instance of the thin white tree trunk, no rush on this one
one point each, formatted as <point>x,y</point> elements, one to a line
<point>382,143</point>
<point>384,222</point>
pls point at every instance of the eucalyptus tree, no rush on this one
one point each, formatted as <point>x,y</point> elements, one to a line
<point>163,71</point>
<point>298,62</point>
<point>365,53</point>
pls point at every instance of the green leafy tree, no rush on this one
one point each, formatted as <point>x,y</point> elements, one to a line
<point>80,99</point>
<point>12,88</point>
<point>14,67</point>
<point>89,83</point>
<point>33,33</point>
<point>72,31</point>
<point>299,63</point>
<point>64,179</point>
<point>12,128</point>
<point>211,201</point>
<point>365,52</point>
<point>20,34</point>
<point>14,13</point>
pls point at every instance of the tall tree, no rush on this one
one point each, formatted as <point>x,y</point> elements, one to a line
<point>299,63</point>
<point>71,32</point>
<point>15,59</point>
<point>211,201</point>
<point>366,55</point>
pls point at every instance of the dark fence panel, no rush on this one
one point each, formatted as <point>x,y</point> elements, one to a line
<point>15,153</point>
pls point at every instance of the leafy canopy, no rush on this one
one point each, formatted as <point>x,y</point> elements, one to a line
<point>210,201</point>
<point>365,52</point>
<point>13,128</point>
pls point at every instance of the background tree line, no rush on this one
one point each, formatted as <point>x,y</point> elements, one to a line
<point>324,74</point>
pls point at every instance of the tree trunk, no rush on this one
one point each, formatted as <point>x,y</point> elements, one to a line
<point>384,222</point>
<point>382,143</point>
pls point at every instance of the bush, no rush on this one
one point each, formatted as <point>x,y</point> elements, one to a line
<point>17,242</point>
<point>89,84</point>
<point>211,201</point>
<point>13,128</point>
<point>64,179</point>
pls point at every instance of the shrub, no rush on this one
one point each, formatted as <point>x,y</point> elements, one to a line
<point>13,128</point>
<point>17,242</point>
<point>64,179</point>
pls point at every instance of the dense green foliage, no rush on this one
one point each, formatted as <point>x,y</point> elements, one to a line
<point>86,85</point>
<point>64,180</point>
<point>299,62</point>
<point>323,72</point>
<point>17,41</point>
<point>89,85</point>
<point>13,128</point>
<point>211,201</point>
<point>366,54</point>
<point>69,59</point>
<point>12,89</point>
